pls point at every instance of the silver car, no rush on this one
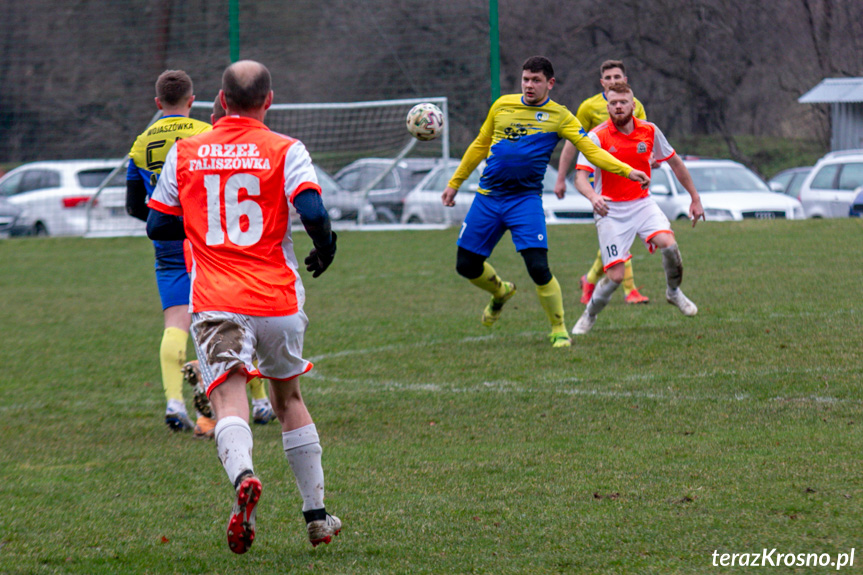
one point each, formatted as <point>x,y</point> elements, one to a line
<point>388,195</point>
<point>828,190</point>
<point>339,203</point>
<point>728,190</point>
<point>9,215</point>
<point>423,203</point>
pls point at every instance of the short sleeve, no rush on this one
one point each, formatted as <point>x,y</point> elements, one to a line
<point>300,173</point>
<point>662,150</point>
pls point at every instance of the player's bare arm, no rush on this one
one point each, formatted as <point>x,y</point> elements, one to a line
<point>582,184</point>
<point>448,196</point>
<point>640,177</point>
<point>696,211</point>
<point>567,156</point>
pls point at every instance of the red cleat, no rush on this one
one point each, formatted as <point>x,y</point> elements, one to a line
<point>241,526</point>
<point>586,289</point>
<point>635,297</point>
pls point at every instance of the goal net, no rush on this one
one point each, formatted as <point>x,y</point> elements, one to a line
<point>336,135</point>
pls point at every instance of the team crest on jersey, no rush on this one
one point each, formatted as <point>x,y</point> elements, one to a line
<point>541,116</point>
<point>641,148</point>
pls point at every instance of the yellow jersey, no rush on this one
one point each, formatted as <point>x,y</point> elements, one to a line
<point>517,140</point>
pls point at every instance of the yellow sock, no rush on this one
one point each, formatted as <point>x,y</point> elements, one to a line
<point>489,281</point>
<point>628,278</point>
<point>596,269</point>
<point>551,300</point>
<point>172,356</point>
<point>258,389</point>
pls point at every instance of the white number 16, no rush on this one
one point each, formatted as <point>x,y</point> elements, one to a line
<point>234,210</point>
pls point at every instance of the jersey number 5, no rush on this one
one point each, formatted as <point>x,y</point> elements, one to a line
<point>236,211</point>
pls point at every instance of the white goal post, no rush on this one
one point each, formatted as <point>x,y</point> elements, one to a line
<point>339,133</point>
<point>335,135</point>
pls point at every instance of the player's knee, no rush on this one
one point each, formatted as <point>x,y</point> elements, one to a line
<point>536,260</point>
<point>616,272</point>
<point>468,264</point>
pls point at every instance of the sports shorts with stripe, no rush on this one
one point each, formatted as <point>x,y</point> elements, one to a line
<point>228,342</point>
<point>625,220</point>
<point>490,216</point>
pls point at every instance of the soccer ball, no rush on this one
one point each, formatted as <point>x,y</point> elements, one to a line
<point>425,122</point>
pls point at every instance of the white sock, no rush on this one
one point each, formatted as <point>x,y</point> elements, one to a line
<point>601,295</point>
<point>303,450</point>
<point>234,446</point>
<point>175,406</point>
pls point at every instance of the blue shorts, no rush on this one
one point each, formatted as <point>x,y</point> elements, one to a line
<point>171,276</point>
<point>490,216</point>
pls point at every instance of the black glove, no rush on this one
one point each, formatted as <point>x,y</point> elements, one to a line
<point>319,259</point>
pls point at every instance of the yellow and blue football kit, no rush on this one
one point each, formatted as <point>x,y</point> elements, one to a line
<point>147,157</point>
<point>516,141</point>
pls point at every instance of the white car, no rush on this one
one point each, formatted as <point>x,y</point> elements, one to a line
<point>54,198</point>
<point>572,209</point>
<point>829,189</point>
<point>423,203</point>
<point>728,190</point>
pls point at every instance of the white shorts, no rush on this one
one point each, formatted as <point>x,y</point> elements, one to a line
<point>226,342</point>
<point>624,221</point>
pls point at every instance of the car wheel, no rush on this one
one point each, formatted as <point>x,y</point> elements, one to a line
<point>682,217</point>
<point>39,230</point>
<point>335,213</point>
<point>414,220</point>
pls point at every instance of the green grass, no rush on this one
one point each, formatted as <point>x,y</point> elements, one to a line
<point>654,441</point>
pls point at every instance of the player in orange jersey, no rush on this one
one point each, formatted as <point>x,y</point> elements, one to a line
<point>592,112</point>
<point>229,191</point>
<point>624,210</point>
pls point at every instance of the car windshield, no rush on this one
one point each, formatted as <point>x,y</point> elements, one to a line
<point>726,179</point>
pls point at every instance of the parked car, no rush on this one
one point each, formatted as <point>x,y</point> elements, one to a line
<point>728,191</point>
<point>856,210</point>
<point>341,204</point>
<point>423,203</point>
<point>828,190</point>
<point>54,196</point>
<point>388,194</point>
<point>572,209</point>
<point>789,181</point>
<point>9,214</point>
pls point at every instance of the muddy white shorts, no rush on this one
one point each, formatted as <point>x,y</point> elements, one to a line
<point>624,221</point>
<point>226,342</point>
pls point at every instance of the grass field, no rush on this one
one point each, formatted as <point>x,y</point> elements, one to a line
<point>653,442</point>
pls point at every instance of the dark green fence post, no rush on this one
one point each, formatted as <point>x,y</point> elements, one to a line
<point>234,28</point>
<point>494,42</point>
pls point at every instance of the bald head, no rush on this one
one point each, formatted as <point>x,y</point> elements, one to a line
<point>246,85</point>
